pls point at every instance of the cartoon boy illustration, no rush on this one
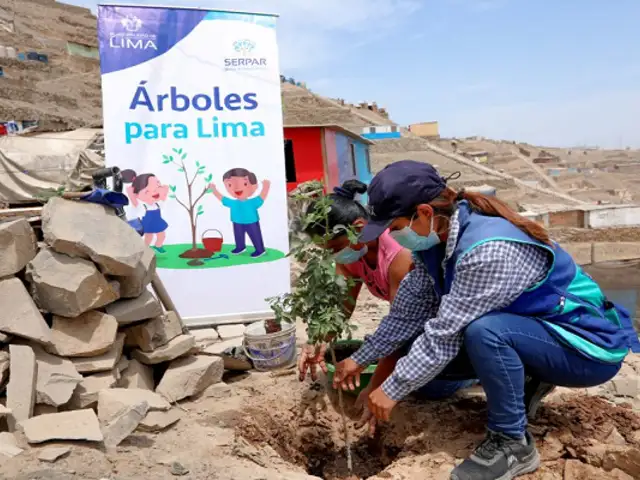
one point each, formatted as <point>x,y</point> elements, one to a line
<point>147,189</point>
<point>241,185</point>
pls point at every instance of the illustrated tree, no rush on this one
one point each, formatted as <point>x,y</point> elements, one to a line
<point>193,197</point>
<point>319,293</point>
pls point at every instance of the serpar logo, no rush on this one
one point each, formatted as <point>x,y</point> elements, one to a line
<point>244,47</point>
<point>132,38</point>
<point>131,23</point>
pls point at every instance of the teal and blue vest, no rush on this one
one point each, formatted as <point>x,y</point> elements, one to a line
<point>568,301</point>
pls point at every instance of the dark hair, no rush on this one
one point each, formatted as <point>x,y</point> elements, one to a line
<point>492,207</point>
<point>241,172</point>
<point>139,182</point>
<point>344,208</point>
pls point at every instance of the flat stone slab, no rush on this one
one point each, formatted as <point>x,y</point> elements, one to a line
<point>9,445</point>
<point>158,421</point>
<point>175,348</point>
<point>137,375</point>
<point>134,285</point>
<point>19,315</point>
<point>227,332</point>
<point>86,394</point>
<point>113,401</point>
<point>74,425</point>
<point>51,454</point>
<point>21,389</point>
<point>155,333</point>
<point>104,362</point>
<point>90,334</point>
<point>124,424</point>
<point>190,376</point>
<point>92,231</point>
<point>57,378</point>
<point>205,337</point>
<point>133,310</point>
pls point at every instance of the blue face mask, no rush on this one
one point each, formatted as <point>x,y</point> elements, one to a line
<point>410,240</point>
<point>348,255</point>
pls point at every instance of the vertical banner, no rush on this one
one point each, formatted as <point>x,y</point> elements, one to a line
<point>193,118</point>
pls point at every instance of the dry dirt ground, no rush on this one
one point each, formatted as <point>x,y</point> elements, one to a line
<point>263,427</point>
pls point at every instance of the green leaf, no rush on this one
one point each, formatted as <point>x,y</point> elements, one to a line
<point>208,178</point>
<point>181,169</point>
<point>172,188</point>
<point>184,155</point>
<point>199,213</point>
<point>172,196</point>
<point>197,163</point>
<point>171,157</point>
<point>166,161</point>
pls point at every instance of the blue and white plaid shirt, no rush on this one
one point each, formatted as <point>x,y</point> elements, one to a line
<point>488,278</point>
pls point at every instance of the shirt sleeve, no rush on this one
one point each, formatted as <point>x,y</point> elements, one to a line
<point>256,202</point>
<point>488,278</point>
<point>227,202</point>
<point>415,301</point>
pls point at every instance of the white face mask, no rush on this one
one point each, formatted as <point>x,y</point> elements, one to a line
<point>411,240</point>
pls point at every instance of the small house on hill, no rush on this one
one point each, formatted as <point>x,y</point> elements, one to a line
<point>329,153</point>
<point>381,132</point>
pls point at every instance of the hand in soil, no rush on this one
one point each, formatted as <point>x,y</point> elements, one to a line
<point>380,405</point>
<point>347,372</point>
<point>311,358</point>
<point>367,418</point>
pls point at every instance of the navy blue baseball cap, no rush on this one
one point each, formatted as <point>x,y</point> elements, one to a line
<point>395,192</point>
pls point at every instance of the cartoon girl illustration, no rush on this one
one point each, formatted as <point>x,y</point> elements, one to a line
<point>147,189</point>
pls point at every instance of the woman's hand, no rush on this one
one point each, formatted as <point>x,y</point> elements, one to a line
<point>311,358</point>
<point>380,405</point>
<point>367,418</point>
<point>346,372</point>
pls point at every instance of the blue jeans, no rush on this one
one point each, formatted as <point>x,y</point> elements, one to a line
<point>501,346</point>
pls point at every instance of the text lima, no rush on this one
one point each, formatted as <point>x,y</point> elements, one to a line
<point>203,129</point>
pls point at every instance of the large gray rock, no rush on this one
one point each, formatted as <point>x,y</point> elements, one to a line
<point>92,333</point>
<point>91,231</point>
<point>189,376</point>
<point>57,379</point>
<point>177,347</point>
<point>19,315</point>
<point>133,310</point>
<point>155,333</point>
<point>114,401</point>
<point>74,425</point>
<point>135,284</point>
<point>18,246</point>
<point>68,286</point>
<point>21,390</point>
<point>102,363</point>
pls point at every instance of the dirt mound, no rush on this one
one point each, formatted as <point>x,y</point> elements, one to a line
<point>430,438</point>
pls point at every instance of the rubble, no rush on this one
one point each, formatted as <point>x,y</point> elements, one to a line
<point>113,401</point>
<point>155,333</point>
<point>124,424</point>
<point>68,286</point>
<point>92,232</point>
<point>136,309</point>
<point>177,347</point>
<point>106,361</point>
<point>137,375</point>
<point>73,425</point>
<point>90,334</point>
<point>158,421</point>
<point>21,390</point>
<point>19,315</point>
<point>136,284</point>
<point>8,445</point>
<point>190,376</point>
<point>57,378</point>
<point>86,394</point>
<point>51,454</point>
<point>17,246</point>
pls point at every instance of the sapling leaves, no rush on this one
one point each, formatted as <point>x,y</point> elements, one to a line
<point>319,294</point>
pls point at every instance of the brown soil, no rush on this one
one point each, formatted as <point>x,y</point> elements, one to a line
<point>196,253</point>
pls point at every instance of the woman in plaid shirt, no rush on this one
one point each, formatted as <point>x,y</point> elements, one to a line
<point>490,293</point>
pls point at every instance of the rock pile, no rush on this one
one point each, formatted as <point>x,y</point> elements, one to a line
<point>87,352</point>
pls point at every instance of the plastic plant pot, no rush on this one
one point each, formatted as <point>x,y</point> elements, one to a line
<point>344,349</point>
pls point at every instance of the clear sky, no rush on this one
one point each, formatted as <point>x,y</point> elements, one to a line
<point>548,72</point>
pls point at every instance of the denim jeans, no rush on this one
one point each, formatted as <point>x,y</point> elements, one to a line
<point>499,348</point>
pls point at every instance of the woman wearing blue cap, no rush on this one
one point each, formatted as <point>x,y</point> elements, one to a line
<point>490,290</point>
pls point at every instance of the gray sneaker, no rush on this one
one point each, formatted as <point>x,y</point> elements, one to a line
<point>499,457</point>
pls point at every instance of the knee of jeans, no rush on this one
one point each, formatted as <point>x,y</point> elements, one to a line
<point>480,330</point>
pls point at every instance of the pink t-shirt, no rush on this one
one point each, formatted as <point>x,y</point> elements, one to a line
<point>377,280</point>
